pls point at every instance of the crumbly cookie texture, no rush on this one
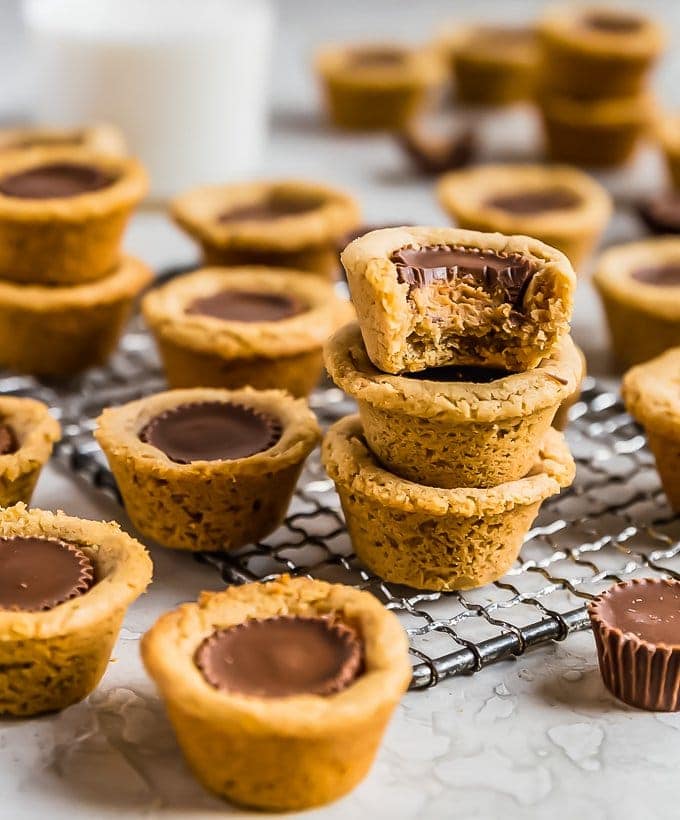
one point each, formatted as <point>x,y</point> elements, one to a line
<point>473,199</point>
<point>53,658</point>
<point>207,505</point>
<point>67,240</point>
<point>651,393</point>
<point>453,320</point>
<point>60,331</point>
<point>35,431</point>
<point>203,351</point>
<point>561,419</point>
<point>279,753</point>
<point>461,433</point>
<point>643,318</point>
<point>433,538</point>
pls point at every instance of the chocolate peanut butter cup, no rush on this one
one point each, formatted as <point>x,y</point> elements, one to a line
<point>661,214</point>
<point>65,586</point>
<point>432,152</point>
<point>41,573</point>
<point>84,198</point>
<point>279,692</point>
<point>639,284</point>
<point>454,426</point>
<point>100,139</point>
<point>281,657</point>
<point>428,297</point>
<point>244,326</point>
<point>637,633</point>
<point>8,440</point>
<point>376,86</point>
<point>278,223</point>
<point>208,469</point>
<point>559,205</point>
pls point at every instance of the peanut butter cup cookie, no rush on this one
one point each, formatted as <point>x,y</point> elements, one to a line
<point>639,284</point>
<point>428,297</point>
<point>598,51</point>
<point>65,585</point>
<point>282,223</point>
<point>60,331</point>
<point>27,435</point>
<point>279,693</point>
<point>371,87</point>
<point>559,205</point>
<point>262,327</point>
<point>208,469</point>
<point>102,138</point>
<point>429,537</point>
<point>63,212</point>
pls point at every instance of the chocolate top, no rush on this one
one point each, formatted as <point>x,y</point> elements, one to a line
<point>662,214</point>
<point>459,373</point>
<point>612,22</point>
<point>273,207</point>
<point>650,610</point>
<point>500,37</point>
<point>280,657</point>
<point>666,275</point>
<point>40,573</point>
<point>55,180</point>
<point>435,153</point>
<point>246,306</point>
<point>534,202</point>
<point>211,431</point>
<point>376,57</point>
<point>8,440</point>
<point>505,278</point>
<point>49,140</point>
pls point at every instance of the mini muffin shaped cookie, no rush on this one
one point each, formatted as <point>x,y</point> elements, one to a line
<point>491,65</point>
<point>279,693</point>
<point>636,625</point>
<point>281,223</point>
<point>454,426</point>
<point>65,585</point>
<point>559,205</point>
<point>651,392</point>
<point>434,538</point>
<point>102,138</point>
<point>63,212</point>
<point>376,86</point>
<point>27,435</point>
<point>262,327</point>
<point>428,297</point>
<point>597,51</point>
<point>208,469</point>
<point>639,284</point>
<point>60,331</point>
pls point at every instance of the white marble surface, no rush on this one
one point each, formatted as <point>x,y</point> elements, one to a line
<point>537,737</point>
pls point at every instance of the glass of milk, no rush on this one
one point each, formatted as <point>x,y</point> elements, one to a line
<point>186,80</point>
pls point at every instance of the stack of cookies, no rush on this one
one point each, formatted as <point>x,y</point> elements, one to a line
<point>65,287</point>
<point>595,103</point>
<point>459,362</point>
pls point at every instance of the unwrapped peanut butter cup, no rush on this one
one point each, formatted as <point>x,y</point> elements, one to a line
<point>637,632</point>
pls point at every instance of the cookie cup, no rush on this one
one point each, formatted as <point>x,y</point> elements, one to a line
<point>376,97</point>
<point>668,134</point>
<point>434,538</point>
<point>207,505</point>
<point>467,196</point>
<point>302,241</point>
<point>643,319</point>
<point>458,433</point>
<point>650,395</point>
<point>102,138</point>
<point>66,240</point>
<point>203,351</point>
<point>51,659</point>
<point>278,753</point>
<point>561,419</point>
<point>60,331</point>
<point>35,431</point>
<point>411,328</point>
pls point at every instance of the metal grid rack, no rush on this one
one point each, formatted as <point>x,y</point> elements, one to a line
<point>613,523</point>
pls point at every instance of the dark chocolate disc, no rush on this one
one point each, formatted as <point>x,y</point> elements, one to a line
<point>211,431</point>
<point>246,306</point>
<point>271,208</point>
<point>55,180</point>
<point>376,57</point>
<point>662,213</point>
<point>40,573</point>
<point>663,275</point>
<point>612,22</point>
<point>8,440</point>
<point>280,657</point>
<point>529,203</point>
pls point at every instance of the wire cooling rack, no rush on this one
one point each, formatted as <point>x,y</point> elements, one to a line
<point>613,523</point>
